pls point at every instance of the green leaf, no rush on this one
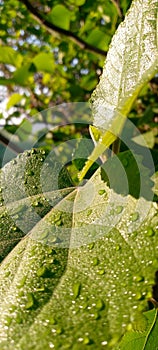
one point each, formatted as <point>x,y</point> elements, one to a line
<point>22,74</point>
<point>10,56</point>
<point>44,62</point>
<point>132,61</point>
<point>99,39</point>
<point>60,16</point>
<point>13,100</point>
<point>86,266</point>
<point>140,338</point>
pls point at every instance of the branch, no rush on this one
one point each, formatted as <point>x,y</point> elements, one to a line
<point>51,28</point>
<point>116,4</point>
<point>6,142</point>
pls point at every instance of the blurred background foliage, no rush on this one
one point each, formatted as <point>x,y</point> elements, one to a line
<point>52,52</point>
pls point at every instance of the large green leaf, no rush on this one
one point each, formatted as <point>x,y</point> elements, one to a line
<point>60,16</point>
<point>86,267</point>
<point>132,60</point>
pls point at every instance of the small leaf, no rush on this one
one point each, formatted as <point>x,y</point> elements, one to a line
<point>60,16</point>
<point>13,100</point>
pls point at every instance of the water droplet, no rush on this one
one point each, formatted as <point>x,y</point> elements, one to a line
<point>41,272</point>
<point>150,232</point>
<point>89,212</point>
<point>59,223</point>
<point>87,341</point>
<point>91,245</point>
<point>95,316</point>
<point>104,342</point>
<point>138,278</point>
<point>119,209</point>
<point>118,247</point>
<point>33,151</point>
<point>22,282</point>
<point>7,274</point>
<point>138,296</point>
<point>52,320</point>
<point>76,289</point>
<point>134,216</point>
<point>95,261</point>
<point>30,301</point>
<point>100,305</point>
<point>35,204</point>
<point>101,192</point>
<point>101,272</point>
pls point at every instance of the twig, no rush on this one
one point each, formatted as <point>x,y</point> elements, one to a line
<point>53,28</point>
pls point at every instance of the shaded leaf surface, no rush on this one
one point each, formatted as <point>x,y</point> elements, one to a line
<point>85,267</point>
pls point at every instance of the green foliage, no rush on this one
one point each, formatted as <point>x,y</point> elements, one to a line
<point>78,264</point>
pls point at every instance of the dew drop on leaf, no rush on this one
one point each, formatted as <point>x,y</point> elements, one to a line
<point>91,245</point>
<point>119,209</point>
<point>118,247</point>
<point>87,341</point>
<point>101,192</point>
<point>138,278</point>
<point>22,282</point>
<point>100,305</point>
<point>95,262</point>
<point>150,232</point>
<point>41,271</point>
<point>89,212</point>
<point>101,272</point>
<point>134,217</point>
<point>30,301</point>
<point>76,289</point>
<point>138,296</point>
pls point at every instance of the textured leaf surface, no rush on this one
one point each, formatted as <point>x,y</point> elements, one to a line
<point>132,60</point>
<point>86,266</point>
